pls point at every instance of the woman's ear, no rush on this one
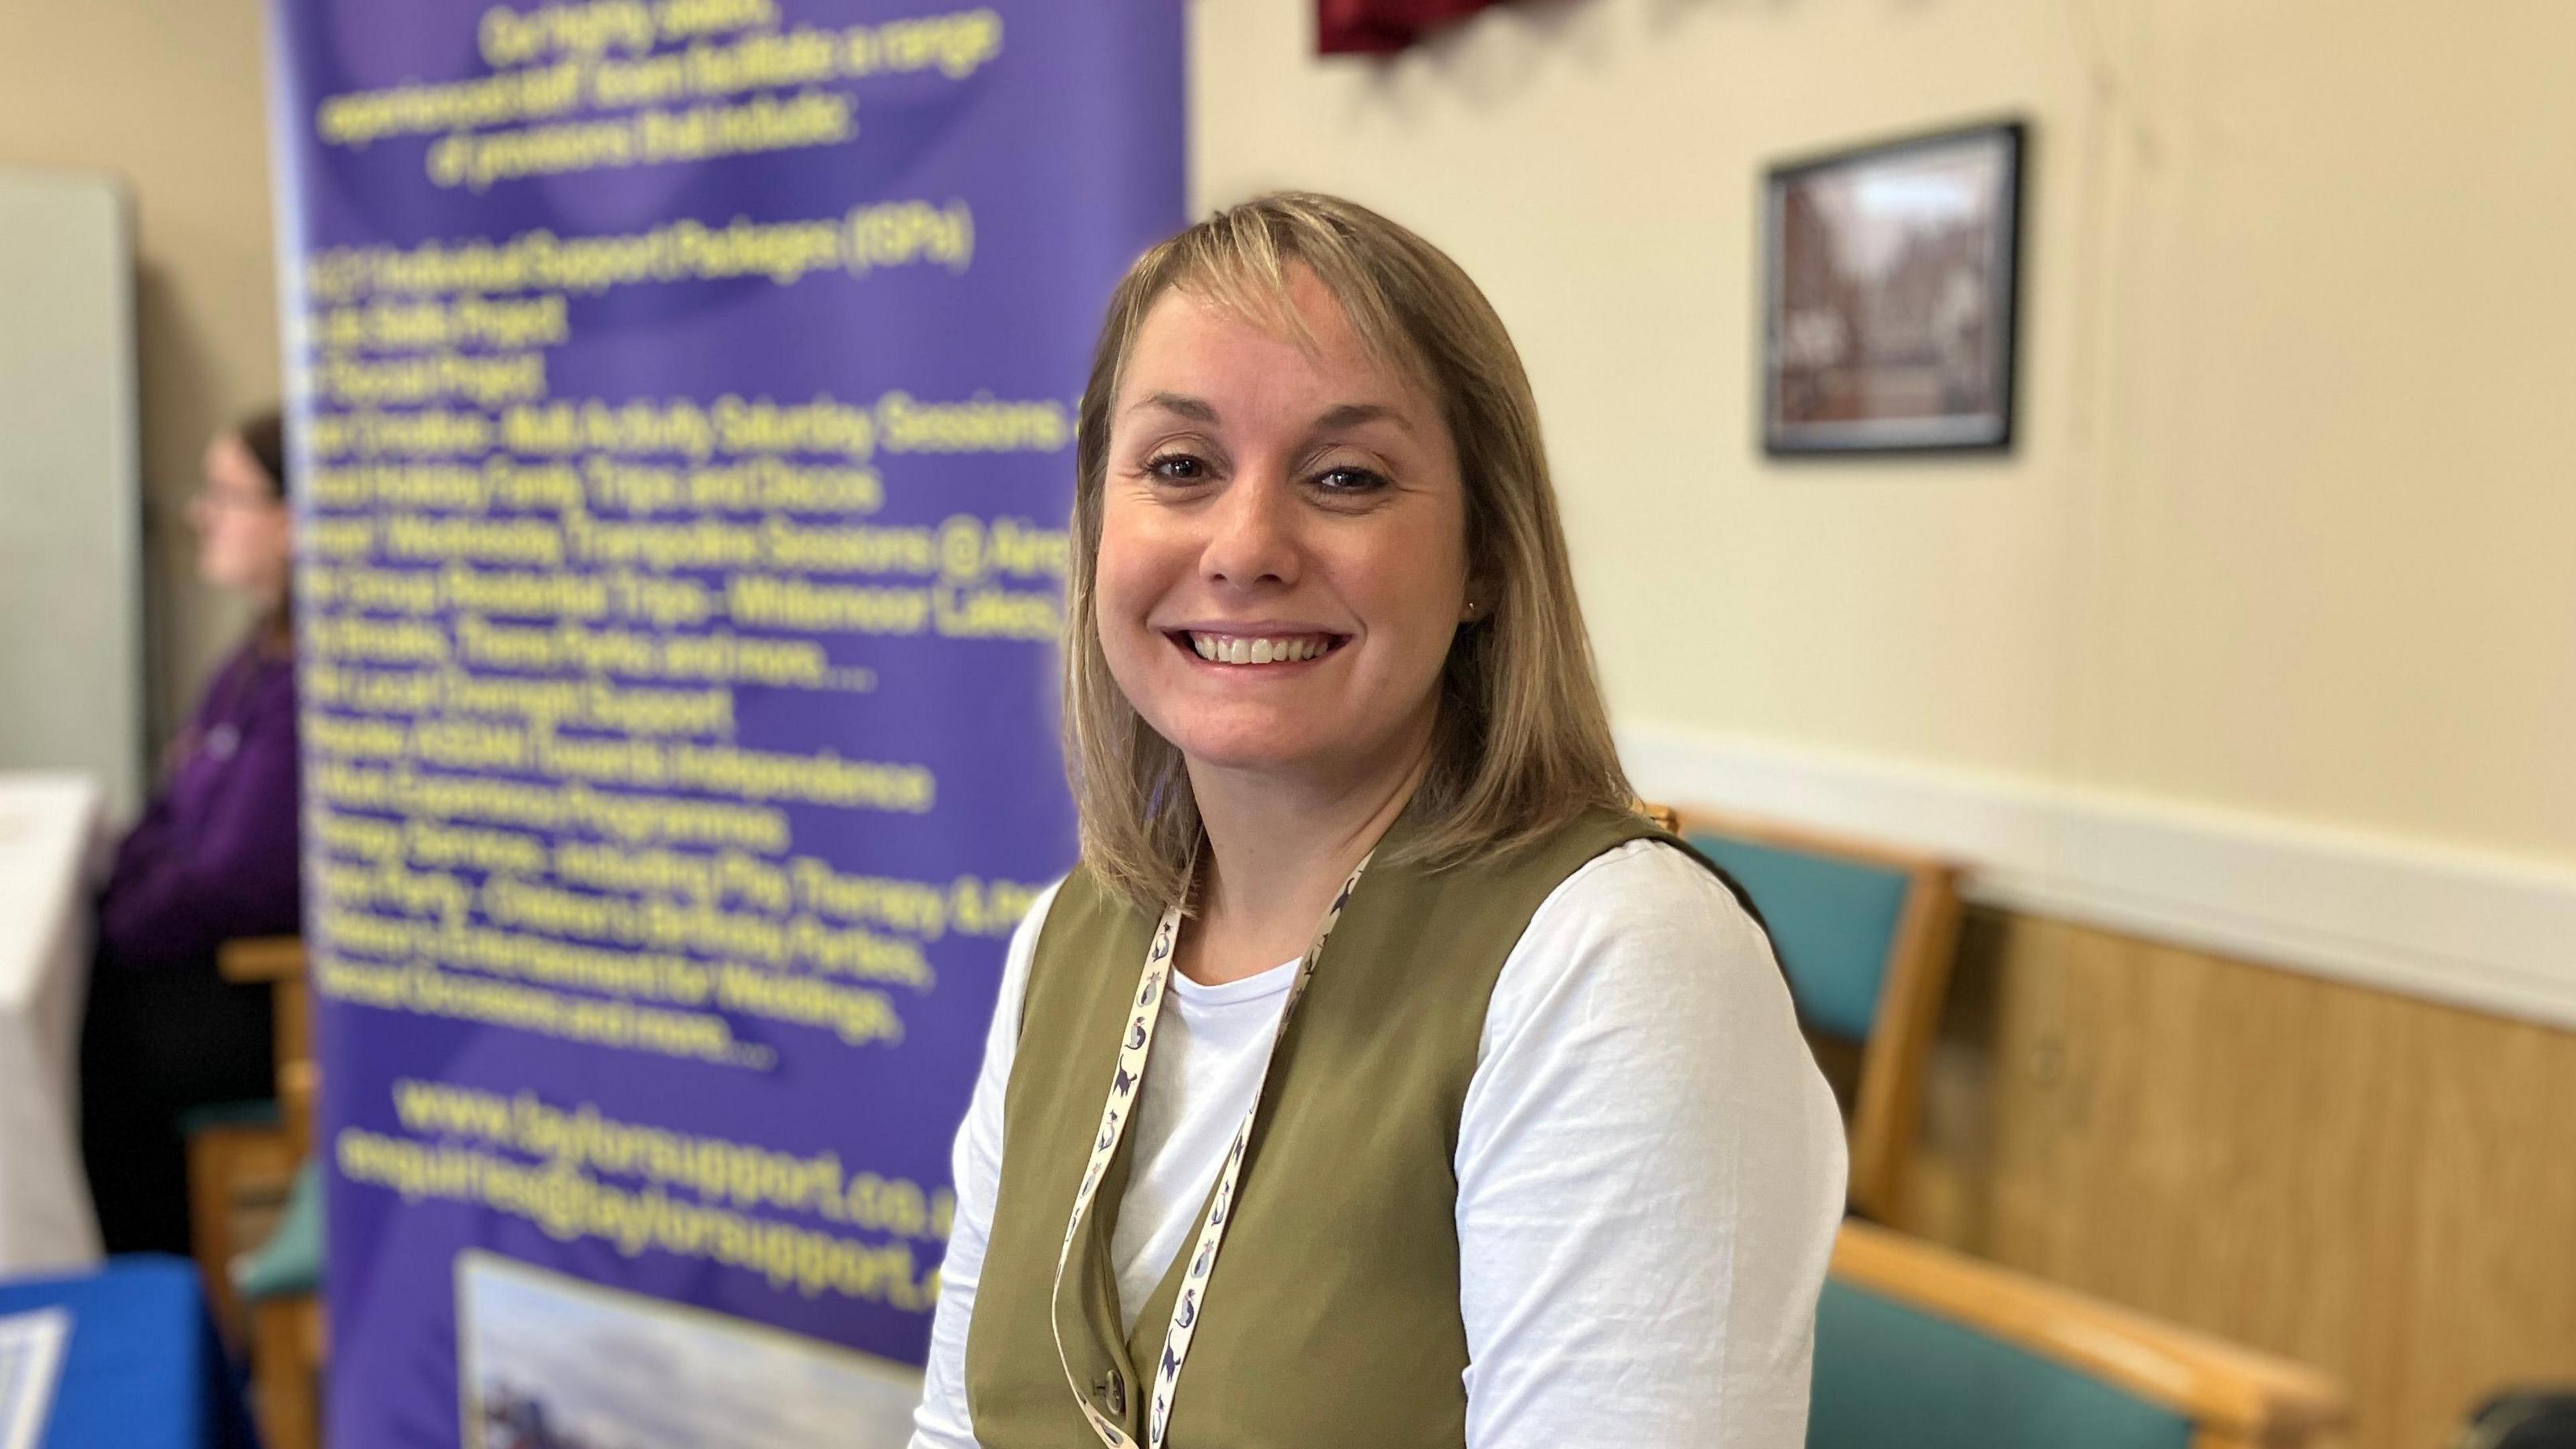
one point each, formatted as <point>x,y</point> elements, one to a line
<point>1479,605</point>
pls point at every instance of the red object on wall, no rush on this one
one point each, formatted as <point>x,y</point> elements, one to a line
<point>1378,26</point>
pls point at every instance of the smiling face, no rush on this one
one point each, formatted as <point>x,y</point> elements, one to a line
<point>1283,559</point>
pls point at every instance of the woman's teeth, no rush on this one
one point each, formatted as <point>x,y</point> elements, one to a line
<point>1227,649</point>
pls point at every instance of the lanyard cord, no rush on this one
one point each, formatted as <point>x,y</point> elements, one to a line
<point>1133,1050</point>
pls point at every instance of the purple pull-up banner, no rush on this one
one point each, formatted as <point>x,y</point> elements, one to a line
<point>686,393</point>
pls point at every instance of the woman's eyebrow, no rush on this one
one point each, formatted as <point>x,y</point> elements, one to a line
<point>1197,410</point>
<point>1351,415</point>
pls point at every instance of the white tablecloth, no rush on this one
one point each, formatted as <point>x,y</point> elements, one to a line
<point>49,826</point>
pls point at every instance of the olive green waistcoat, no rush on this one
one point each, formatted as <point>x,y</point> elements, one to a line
<point>1332,1315</point>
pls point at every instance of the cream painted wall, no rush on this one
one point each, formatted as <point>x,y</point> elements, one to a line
<point>170,95</point>
<point>2289,530</point>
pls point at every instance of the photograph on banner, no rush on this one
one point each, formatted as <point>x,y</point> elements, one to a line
<point>548,1360</point>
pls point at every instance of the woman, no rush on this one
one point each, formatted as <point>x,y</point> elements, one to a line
<point>1378,1077</point>
<point>214,858</point>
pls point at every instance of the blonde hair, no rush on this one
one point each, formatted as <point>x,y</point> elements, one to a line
<point>1523,742</point>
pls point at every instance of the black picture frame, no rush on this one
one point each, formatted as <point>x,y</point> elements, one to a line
<point>1891,295</point>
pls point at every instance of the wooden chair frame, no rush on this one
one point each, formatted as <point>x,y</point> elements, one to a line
<point>1888,1098</point>
<point>2234,1397</point>
<point>278,961</point>
<point>290,1342</point>
<point>230,1165</point>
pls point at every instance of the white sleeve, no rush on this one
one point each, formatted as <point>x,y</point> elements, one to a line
<point>942,1421</point>
<point>1650,1173</point>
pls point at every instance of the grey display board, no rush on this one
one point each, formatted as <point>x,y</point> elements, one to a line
<point>71,597</point>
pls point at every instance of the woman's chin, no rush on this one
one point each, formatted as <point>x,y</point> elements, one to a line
<point>1319,744</point>
<point>223,578</point>
<point>218,571</point>
<point>1285,756</point>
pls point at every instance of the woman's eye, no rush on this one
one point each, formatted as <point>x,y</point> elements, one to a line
<point>1177,468</point>
<point>1348,480</point>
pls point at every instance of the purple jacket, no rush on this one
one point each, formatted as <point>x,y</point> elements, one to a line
<point>215,856</point>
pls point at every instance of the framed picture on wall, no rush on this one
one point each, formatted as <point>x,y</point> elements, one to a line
<point>1891,293</point>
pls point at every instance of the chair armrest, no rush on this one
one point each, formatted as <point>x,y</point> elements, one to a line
<point>2244,1394</point>
<point>261,958</point>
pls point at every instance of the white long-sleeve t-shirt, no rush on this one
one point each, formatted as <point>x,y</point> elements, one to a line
<point>1650,1170</point>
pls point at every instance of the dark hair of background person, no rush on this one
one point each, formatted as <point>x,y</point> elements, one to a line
<point>264,433</point>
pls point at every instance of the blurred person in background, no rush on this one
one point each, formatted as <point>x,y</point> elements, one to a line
<point>213,859</point>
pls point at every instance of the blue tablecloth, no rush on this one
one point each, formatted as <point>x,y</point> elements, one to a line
<point>142,1370</point>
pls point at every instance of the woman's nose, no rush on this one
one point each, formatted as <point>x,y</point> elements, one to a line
<point>1253,536</point>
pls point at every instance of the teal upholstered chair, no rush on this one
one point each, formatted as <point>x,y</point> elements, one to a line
<point>1865,933</point>
<point>1919,1347</point>
<point>290,1262</point>
<point>279,1282</point>
<point>242,1155</point>
<point>240,1167</point>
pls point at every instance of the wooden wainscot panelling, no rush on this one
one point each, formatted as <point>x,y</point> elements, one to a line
<point>2380,1187</point>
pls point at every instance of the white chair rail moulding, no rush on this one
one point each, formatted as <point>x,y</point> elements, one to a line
<point>2483,930</point>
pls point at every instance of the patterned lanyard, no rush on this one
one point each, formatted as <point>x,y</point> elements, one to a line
<point>1133,1049</point>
